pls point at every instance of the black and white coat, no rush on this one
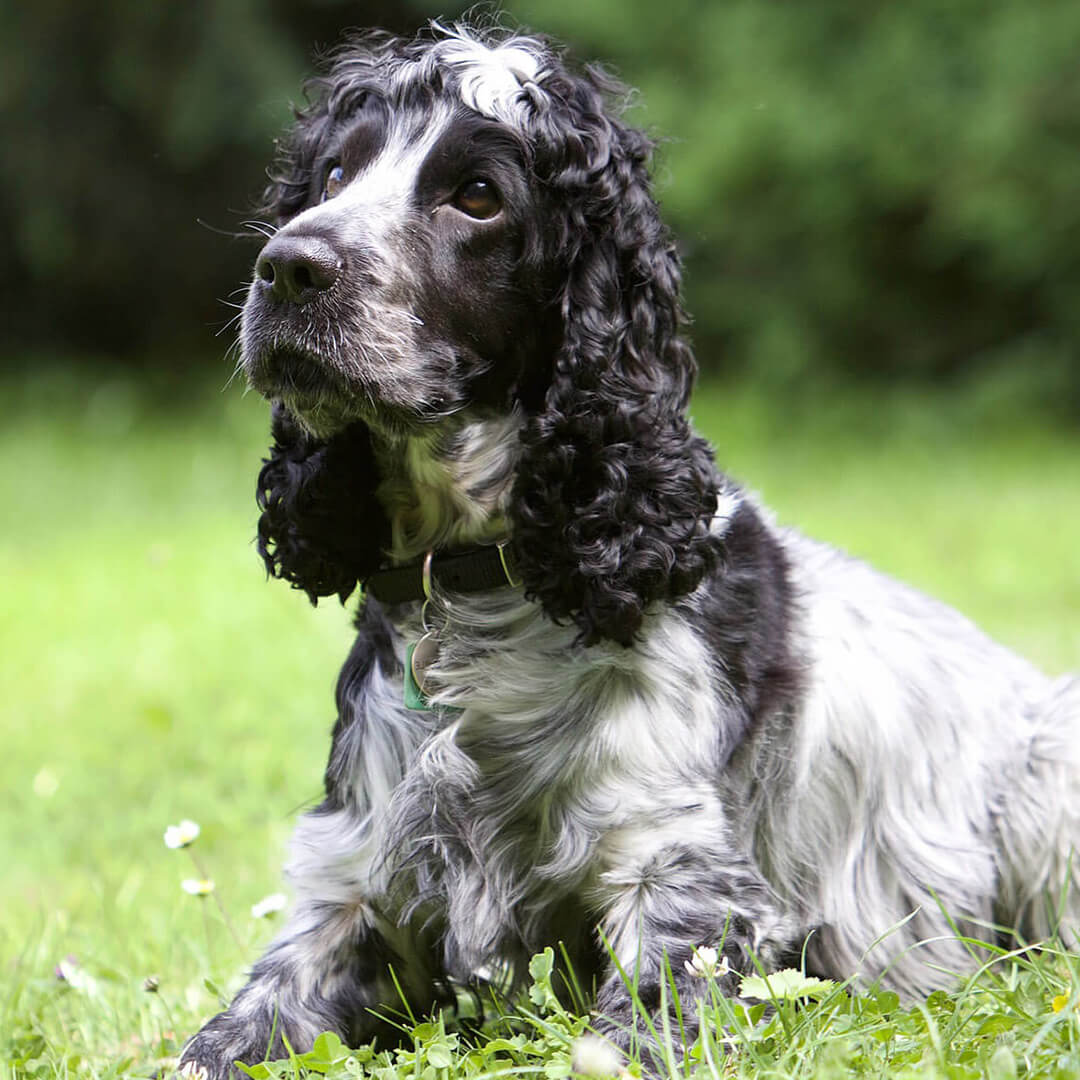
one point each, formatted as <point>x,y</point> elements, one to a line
<point>687,726</point>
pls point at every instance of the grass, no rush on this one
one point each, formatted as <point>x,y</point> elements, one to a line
<point>149,673</point>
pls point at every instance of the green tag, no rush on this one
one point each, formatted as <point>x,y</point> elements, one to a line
<point>415,698</point>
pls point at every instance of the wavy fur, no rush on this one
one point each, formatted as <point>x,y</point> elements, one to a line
<point>614,492</point>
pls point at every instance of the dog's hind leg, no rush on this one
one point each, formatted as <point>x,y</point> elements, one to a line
<point>1039,824</point>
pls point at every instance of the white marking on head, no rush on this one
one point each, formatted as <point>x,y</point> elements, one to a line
<point>491,80</point>
<point>371,208</point>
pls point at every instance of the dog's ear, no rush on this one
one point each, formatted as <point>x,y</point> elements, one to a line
<point>614,493</point>
<point>321,528</point>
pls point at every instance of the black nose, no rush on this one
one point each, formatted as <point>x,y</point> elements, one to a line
<point>298,268</point>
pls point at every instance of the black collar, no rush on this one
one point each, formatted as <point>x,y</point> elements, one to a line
<point>472,571</point>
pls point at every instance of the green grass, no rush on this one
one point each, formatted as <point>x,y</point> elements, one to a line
<point>150,673</point>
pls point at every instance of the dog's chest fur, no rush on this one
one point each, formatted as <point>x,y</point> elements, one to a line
<point>497,809</point>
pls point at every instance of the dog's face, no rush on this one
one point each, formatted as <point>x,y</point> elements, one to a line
<point>410,278</point>
<point>468,233</point>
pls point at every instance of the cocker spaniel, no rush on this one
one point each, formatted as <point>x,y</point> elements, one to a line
<point>596,695</point>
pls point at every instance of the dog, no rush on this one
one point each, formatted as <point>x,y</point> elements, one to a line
<point>596,695</point>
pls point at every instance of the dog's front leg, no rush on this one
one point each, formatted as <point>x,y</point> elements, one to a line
<point>664,897</point>
<point>329,969</point>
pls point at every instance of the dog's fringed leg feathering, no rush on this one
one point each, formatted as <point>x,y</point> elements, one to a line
<point>326,971</point>
<point>342,961</point>
<point>668,891</point>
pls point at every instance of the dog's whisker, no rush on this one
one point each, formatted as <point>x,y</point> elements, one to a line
<point>230,233</point>
<point>229,325</point>
<point>263,228</point>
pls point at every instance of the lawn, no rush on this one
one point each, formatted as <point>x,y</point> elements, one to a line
<point>151,674</point>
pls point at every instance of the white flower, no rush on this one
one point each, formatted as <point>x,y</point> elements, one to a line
<point>183,835</point>
<point>706,963</point>
<point>197,886</point>
<point>593,1056</point>
<point>269,905</point>
<point>46,783</point>
<point>70,971</point>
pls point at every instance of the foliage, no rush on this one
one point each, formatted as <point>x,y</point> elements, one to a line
<point>538,1039</point>
<point>858,189</point>
<point>1003,1023</point>
<point>863,188</point>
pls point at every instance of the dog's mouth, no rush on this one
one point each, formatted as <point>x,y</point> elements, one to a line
<point>319,395</point>
<point>366,365</point>
<point>309,386</point>
<point>284,370</point>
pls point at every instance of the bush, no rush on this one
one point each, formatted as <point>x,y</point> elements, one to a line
<point>859,189</point>
<point>866,189</point>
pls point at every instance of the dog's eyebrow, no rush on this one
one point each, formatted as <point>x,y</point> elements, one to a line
<point>360,140</point>
<point>470,146</point>
<point>468,137</point>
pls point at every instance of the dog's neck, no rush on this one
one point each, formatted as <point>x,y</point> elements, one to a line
<point>450,488</point>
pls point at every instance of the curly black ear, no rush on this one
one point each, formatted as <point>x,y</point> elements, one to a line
<point>614,493</point>
<point>321,528</point>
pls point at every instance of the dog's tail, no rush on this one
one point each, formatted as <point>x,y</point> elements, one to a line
<point>1039,824</point>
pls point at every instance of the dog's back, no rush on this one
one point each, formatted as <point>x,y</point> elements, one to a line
<point>927,781</point>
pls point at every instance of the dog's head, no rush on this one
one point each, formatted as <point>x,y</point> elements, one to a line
<point>467,230</point>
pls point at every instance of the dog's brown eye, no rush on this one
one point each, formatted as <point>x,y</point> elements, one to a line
<point>478,199</point>
<point>334,182</point>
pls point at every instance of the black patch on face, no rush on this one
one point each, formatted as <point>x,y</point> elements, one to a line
<point>472,147</point>
<point>353,144</point>
<point>487,290</point>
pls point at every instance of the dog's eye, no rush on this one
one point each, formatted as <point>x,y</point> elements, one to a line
<point>478,198</point>
<point>334,182</point>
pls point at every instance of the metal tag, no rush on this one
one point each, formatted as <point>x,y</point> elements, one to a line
<point>418,659</point>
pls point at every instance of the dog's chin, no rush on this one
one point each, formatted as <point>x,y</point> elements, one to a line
<point>320,398</point>
<point>320,418</point>
<point>323,399</point>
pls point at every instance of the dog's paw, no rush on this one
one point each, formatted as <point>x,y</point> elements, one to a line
<point>192,1070</point>
<point>213,1052</point>
<point>197,1065</point>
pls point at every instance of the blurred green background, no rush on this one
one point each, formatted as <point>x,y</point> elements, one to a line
<point>861,191</point>
<point>879,211</point>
